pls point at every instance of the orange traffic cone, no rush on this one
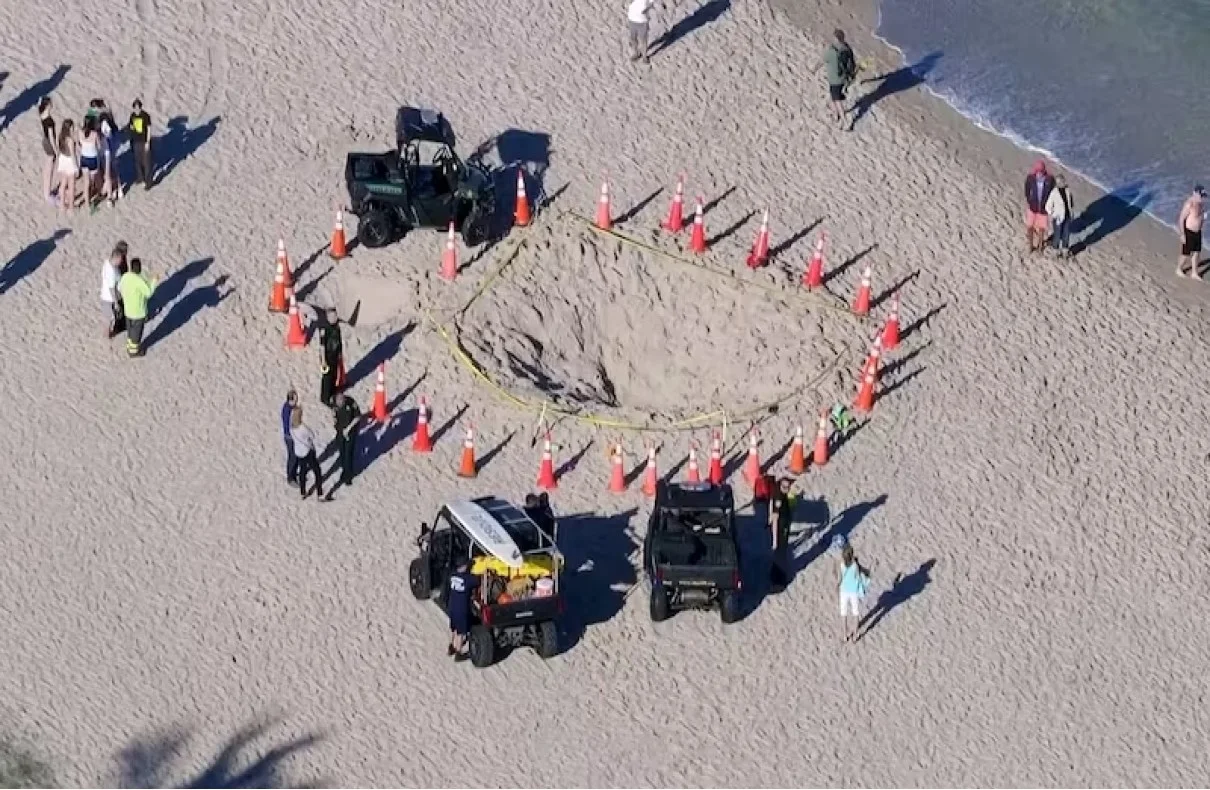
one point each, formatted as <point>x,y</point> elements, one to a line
<point>340,373</point>
<point>865,393</point>
<point>676,212</point>
<point>467,468</point>
<point>649,474</point>
<point>697,240</point>
<point>693,474</point>
<point>521,212</point>
<point>752,465</point>
<point>814,275</point>
<point>284,263</point>
<point>279,300</point>
<point>890,333</point>
<point>861,305</point>
<point>617,478</point>
<point>421,442</point>
<point>546,472</point>
<point>337,248</point>
<point>449,258</point>
<point>760,248</point>
<point>295,336</point>
<point>820,456</point>
<point>874,360</point>
<point>716,460</point>
<point>380,395</point>
<point>798,462</point>
<point>604,214</point>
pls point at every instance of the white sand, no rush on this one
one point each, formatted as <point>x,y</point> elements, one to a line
<point>1048,447</point>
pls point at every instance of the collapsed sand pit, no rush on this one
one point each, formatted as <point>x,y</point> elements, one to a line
<point>598,325</point>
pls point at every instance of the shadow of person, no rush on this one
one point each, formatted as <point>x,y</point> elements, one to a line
<point>703,15</point>
<point>1108,214</point>
<point>29,259</point>
<point>177,144</point>
<point>900,592</point>
<point>893,82</point>
<point>842,527</point>
<point>183,310</point>
<point>27,99</point>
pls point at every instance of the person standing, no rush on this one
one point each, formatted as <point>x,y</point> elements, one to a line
<point>638,27</point>
<point>136,291</point>
<point>1038,186</point>
<point>462,586</point>
<point>90,157</point>
<point>67,164</point>
<point>1061,209</point>
<point>1189,228</point>
<point>139,129</point>
<point>853,584</point>
<point>781,517</point>
<point>840,69</point>
<point>348,420</point>
<point>306,461</point>
<point>112,270</point>
<point>287,413</point>
<point>331,349</point>
<point>48,147</point>
<point>111,142</point>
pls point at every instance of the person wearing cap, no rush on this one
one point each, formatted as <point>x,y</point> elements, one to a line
<point>1038,186</point>
<point>287,411</point>
<point>1189,228</point>
<point>112,270</point>
<point>781,517</point>
<point>139,129</point>
<point>458,607</point>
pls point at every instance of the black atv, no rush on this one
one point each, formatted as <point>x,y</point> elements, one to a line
<point>421,184</point>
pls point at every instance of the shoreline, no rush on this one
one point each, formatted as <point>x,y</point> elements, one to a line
<point>983,152</point>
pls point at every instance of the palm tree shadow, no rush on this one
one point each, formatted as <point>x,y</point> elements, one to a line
<point>29,259</point>
<point>897,81</point>
<point>901,591</point>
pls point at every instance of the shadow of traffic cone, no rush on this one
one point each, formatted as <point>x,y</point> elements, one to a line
<point>604,212</point>
<point>861,305</point>
<point>295,336</point>
<point>692,473</point>
<point>820,456</point>
<point>760,248</point>
<point>449,258</point>
<point>697,239</point>
<point>546,471</point>
<point>890,333</point>
<point>814,276</point>
<point>865,393</point>
<point>649,474</point>
<point>379,409</point>
<point>279,299</point>
<point>798,461</point>
<point>752,465</point>
<point>676,212</point>
<point>521,210</point>
<point>422,442</point>
<point>337,248</point>
<point>715,473</point>
<point>617,477</point>
<point>467,467</point>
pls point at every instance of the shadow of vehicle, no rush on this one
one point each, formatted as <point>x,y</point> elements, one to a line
<point>600,552</point>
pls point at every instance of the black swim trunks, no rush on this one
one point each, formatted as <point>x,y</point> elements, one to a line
<point>1191,242</point>
<point>837,92</point>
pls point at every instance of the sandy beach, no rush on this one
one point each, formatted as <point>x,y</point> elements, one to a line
<point>1034,471</point>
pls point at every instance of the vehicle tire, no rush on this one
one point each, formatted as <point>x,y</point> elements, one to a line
<point>375,229</point>
<point>418,579</point>
<point>474,228</point>
<point>548,640</point>
<point>482,646</point>
<point>660,606</point>
<point>729,606</point>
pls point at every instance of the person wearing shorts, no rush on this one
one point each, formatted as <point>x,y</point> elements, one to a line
<point>47,122</point>
<point>852,586</point>
<point>67,165</point>
<point>90,157</point>
<point>112,270</point>
<point>1189,227</point>
<point>1038,186</point>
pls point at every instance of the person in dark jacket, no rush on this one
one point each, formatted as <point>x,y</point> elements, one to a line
<point>1038,185</point>
<point>348,420</point>
<point>781,517</point>
<point>139,130</point>
<point>331,349</point>
<point>287,410</point>
<point>462,586</point>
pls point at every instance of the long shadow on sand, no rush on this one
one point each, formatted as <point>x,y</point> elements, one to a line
<point>172,286</point>
<point>511,152</point>
<point>703,15</point>
<point>184,309</point>
<point>1109,214</point>
<point>842,527</point>
<point>755,543</point>
<point>29,259</point>
<point>383,351</point>
<point>28,99</point>
<point>170,149</point>
<point>149,762</point>
<point>897,81</point>
<point>600,551</point>
<point>902,590</point>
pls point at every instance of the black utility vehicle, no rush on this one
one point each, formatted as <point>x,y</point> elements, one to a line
<point>421,184</point>
<point>691,552</point>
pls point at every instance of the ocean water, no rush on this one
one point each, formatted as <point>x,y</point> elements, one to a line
<point>1114,89</point>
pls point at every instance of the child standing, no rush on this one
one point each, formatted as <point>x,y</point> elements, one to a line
<point>49,144</point>
<point>67,165</point>
<point>853,584</point>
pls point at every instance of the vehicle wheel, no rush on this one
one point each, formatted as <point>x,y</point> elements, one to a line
<point>548,640</point>
<point>418,579</point>
<point>482,646</point>
<point>474,229</point>
<point>729,606</point>
<point>374,229</point>
<point>659,604</point>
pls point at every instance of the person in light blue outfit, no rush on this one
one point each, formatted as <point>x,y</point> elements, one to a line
<point>853,584</point>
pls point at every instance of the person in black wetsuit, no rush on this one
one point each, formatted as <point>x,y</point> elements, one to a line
<point>462,586</point>
<point>331,349</point>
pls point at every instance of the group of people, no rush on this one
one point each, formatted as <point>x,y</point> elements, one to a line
<point>125,297</point>
<point>1049,211</point>
<point>302,460</point>
<point>90,154</point>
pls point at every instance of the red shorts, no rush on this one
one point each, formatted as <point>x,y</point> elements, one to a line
<point>1036,221</point>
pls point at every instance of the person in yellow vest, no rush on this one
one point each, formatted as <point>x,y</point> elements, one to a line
<point>136,291</point>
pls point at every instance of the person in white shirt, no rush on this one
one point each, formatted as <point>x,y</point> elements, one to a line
<point>112,270</point>
<point>637,24</point>
<point>304,454</point>
<point>1061,209</point>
